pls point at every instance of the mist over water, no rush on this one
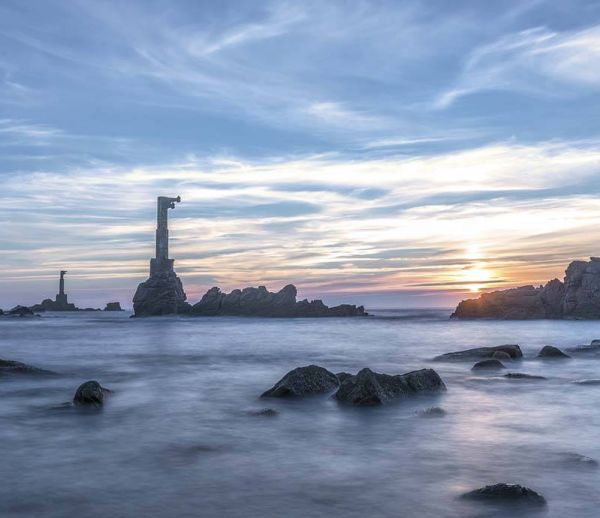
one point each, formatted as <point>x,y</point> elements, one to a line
<point>176,437</point>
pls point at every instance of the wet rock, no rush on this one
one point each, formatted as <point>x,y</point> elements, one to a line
<point>372,388</point>
<point>14,367</point>
<point>113,306</point>
<point>341,376</point>
<point>593,348</point>
<point>507,493</point>
<point>549,351</point>
<point>264,412</point>
<point>514,351</point>
<point>90,393</point>
<point>501,355</point>
<point>488,365</point>
<point>304,381</point>
<point>161,294</point>
<point>263,303</point>
<point>434,411</point>
<point>523,376</point>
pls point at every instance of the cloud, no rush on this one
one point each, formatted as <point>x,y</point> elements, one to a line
<point>535,61</point>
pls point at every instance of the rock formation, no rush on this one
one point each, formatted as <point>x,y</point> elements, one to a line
<point>162,293</point>
<point>488,365</point>
<point>507,493</point>
<point>304,381</point>
<point>370,388</point>
<point>90,393</point>
<point>549,351</point>
<point>113,306</point>
<point>261,302</point>
<point>14,367</point>
<point>578,297</point>
<point>514,351</point>
<point>60,302</point>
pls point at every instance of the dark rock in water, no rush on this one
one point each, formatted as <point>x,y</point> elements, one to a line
<point>372,388</point>
<point>549,351</point>
<point>1,312</point>
<point>593,348</point>
<point>434,411</point>
<point>54,305</point>
<point>341,376</point>
<point>507,493</point>
<point>492,365</point>
<point>13,367</point>
<point>113,306</point>
<point>161,294</point>
<point>304,381</point>
<point>577,298</point>
<point>264,412</point>
<point>263,303</point>
<point>514,351</point>
<point>90,393</point>
<point>523,376</point>
<point>587,382</point>
<point>501,355</point>
<point>20,311</point>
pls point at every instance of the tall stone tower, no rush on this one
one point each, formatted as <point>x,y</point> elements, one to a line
<point>61,296</point>
<point>162,293</point>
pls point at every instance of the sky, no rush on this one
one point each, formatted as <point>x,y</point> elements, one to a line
<point>386,153</point>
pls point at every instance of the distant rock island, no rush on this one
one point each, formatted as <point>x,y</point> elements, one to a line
<point>578,297</point>
<point>162,293</point>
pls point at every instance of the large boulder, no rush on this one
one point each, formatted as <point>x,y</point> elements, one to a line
<point>261,302</point>
<point>161,294</point>
<point>14,367</point>
<point>514,351</point>
<point>549,351</point>
<point>90,393</point>
<point>372,388</point>
<point>506,493</point>
<point>304,381</point>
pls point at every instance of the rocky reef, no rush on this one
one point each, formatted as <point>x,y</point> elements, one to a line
<point>161,294</point>
<point>578,297</point>
<point>263,303</point>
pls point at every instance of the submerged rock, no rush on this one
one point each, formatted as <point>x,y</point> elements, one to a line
<point>514,351</point>
<point>372,388</point>
<point>90,393</point>
<point>523,376</point>
<point>14,367</point>
<point>264,412</point>
<point>492,365</point>
<point>304,381</point>
<point>549,351</point>
<point>578,460</point>
<point>262,303</point>
<point>434,411</point>
<point>501,355</point>
<point>508,493</point>
<point>587,382</point>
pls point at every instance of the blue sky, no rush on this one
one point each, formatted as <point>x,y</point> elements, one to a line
<point>388,153</point>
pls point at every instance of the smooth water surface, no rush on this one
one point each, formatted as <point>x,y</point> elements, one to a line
<point>177,438</point>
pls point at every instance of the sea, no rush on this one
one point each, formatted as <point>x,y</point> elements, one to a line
<point>179,437</point>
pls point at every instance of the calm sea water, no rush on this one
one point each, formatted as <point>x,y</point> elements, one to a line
<point>176,437</point>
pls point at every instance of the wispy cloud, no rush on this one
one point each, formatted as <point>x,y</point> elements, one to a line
<point>537,61</point>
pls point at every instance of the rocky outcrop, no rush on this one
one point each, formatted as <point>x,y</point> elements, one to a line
<point>113,306</point>
<point>304,381</point>
<point>488,365</point>
<point>370,388</point>
<point>549,351</point>
<point>90,393</point>
<point>20,311</point>
<point>578,297</point>
<point>260,302</point>
<point>161,294</point>
<point>514,351</point>
<point>53,305</point>
<point>14,367</point>
<point>507,493</point>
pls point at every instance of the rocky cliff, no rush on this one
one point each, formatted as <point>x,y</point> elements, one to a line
<point>263,303</point>
<point>161,294</point>
<point>578,297</point>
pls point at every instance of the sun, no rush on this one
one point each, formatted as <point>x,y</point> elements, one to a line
<point>476,277</point>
